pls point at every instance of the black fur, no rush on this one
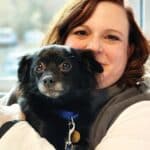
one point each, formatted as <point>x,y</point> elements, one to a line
<point>74,73</point>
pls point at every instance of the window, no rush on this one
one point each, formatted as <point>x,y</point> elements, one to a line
<point>141,10</point>
<point>146,18</point>
<point>22,26</point>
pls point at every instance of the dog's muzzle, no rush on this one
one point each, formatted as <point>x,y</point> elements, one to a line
<point>50,87</point>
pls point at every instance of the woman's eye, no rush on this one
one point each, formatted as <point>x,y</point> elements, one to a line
<point>112,37</point>
<point>80,33</point>
<point>65,66</point>
<point>40,67</point>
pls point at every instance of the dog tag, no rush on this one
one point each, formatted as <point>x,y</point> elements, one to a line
<point>75,137</point>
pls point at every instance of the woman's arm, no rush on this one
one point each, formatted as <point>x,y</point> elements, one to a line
<point>19,135</point>
<point>131,130</point>
<point>22,136</point>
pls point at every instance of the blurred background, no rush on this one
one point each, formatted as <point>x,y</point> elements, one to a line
<point>23,24</point>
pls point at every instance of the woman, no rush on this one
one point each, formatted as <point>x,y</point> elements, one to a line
<point>109,29</point>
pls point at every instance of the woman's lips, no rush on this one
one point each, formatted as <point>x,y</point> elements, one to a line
<point>102,63</point>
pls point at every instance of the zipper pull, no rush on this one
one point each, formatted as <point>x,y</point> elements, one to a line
<point>71,124</point>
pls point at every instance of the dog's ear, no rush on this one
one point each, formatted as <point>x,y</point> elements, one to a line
<point>89,61</point>
<point>24,68</point>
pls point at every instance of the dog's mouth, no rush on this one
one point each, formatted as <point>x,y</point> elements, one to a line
<point>52,91</point>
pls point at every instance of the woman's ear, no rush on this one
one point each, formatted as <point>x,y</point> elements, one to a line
<point>130,50</point>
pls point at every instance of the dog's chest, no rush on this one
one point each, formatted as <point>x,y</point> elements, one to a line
<point>59,131</point>
<point>65,134</point>
<point>62,133</point>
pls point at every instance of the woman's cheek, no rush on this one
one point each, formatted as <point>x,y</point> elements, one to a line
<point>74,43</point>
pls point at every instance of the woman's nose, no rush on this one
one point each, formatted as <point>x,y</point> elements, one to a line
<point>94,44</point>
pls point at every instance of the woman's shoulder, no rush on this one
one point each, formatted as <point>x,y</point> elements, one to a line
<point>133,94</point>
<point>125,99</point>
<point>130,130</point>
<point>137,112</point>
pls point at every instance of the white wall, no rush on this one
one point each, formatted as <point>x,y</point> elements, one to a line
<point>146,18</point>
<point>135,5</point>
<point>142,14</point>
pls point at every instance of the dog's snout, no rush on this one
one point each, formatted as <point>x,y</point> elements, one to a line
<point>48,80</point>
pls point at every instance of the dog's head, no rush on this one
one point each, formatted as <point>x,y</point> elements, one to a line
<point>56,70</point>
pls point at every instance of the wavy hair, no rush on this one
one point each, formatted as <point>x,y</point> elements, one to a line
<point>135,67</point>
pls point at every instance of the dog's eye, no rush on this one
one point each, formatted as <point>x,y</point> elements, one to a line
<point>65,66</point>
<point>40,67</point>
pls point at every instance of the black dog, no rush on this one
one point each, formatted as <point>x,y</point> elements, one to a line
<point>58,94</point>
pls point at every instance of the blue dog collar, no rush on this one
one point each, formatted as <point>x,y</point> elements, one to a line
<point>70,117</point>
<point>67,115</point>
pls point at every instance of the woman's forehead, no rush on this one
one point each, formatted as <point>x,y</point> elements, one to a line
<point>109,15</point>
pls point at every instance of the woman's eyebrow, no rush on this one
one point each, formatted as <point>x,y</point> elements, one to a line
<point>115,31</point>
<point>82,26</point>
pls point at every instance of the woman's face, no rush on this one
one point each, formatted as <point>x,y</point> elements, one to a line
<point>106,34</point>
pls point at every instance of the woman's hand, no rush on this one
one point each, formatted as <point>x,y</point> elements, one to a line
<point>10,113</point>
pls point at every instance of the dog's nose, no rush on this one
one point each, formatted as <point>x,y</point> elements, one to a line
<point>48,80</point>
